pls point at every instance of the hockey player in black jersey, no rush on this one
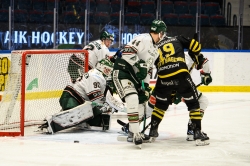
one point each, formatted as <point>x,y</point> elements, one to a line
<point>173,75</point>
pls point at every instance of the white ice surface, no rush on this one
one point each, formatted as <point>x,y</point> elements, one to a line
<point>226,121</point>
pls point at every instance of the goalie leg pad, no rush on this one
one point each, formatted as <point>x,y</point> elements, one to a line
<point>70,118</point>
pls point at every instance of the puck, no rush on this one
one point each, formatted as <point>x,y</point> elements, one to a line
<point>76,141</point>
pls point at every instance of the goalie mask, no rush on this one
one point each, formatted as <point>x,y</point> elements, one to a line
<point>106,67</point>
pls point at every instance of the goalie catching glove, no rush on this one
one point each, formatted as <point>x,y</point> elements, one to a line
<point>205,78</point>
<point>143,71</point>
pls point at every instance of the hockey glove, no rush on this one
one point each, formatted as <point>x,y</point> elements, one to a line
<point>206,78</point>
<point>118,54</point>
<point>143,97</point>
<point>106,108</point>
<point>147,89</point>
<point>142,67</point>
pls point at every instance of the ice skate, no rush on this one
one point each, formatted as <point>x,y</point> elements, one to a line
<point>153,132</point>
<point>190,133</point>
<point>145,138</point>
<point>137,139</point>
<point>200,138</point>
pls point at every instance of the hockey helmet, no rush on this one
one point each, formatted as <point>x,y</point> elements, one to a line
<point>111,37</point>
<point>105,35</point>
<point>158,26</point>
<point>105,66</point>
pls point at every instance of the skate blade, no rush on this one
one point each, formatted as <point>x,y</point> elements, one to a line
<point>152,139</point>
<point>139,146</point>
<point>198,142</point>
<point>146,141</point>
<point>190,138</point>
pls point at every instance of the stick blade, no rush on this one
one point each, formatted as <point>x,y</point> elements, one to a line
<point>122,138</point>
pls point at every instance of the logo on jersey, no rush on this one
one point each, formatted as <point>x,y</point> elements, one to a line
<point>129,86</point>
<point>167,83</point>
<point>169,67</point>
<point>170,59</point>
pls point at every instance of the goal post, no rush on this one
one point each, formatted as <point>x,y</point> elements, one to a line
<point>34,84</point>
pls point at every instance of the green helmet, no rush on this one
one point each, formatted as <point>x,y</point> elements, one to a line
<point>158,26</point>
<point>111,37</point>
<point>105,66</point>
<point>105,35</point>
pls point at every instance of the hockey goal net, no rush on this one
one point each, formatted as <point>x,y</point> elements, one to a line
<point>35,81</point>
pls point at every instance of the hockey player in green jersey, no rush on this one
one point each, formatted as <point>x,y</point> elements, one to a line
<point>134,68</point>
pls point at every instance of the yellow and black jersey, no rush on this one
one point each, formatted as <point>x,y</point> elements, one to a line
<point>171,60</point>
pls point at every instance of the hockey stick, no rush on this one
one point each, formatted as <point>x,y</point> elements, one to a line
<point>144,104</point>
<point>146,127</point>
<point>198,85</point>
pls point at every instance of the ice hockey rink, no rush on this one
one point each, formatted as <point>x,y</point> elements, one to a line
<point>226,121</point>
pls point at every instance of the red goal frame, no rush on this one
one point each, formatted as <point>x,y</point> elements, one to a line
<point>23,76</point>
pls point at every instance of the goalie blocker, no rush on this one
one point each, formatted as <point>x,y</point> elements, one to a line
<point>73,117</point>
